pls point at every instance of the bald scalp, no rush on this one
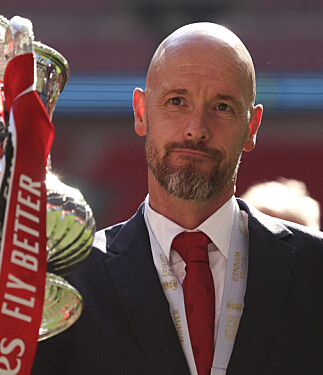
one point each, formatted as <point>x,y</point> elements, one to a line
<point>197,35</point>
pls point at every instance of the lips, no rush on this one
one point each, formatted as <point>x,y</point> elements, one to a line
<point>190,152</point>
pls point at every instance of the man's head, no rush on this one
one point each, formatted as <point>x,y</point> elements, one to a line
<point>197,112</point>
<point>287,199</point>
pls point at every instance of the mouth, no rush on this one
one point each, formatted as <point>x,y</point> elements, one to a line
<point>191,153</point>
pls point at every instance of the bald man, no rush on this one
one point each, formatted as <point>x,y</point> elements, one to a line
<point>255,306</point>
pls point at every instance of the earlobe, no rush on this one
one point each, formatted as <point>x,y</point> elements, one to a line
<point>253,127</point>
<point>139,112</point>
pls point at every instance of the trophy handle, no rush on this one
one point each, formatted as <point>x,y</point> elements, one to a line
<point>52,75</point>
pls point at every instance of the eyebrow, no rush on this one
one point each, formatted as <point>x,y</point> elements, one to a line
<point>227,97</point>
<point>175,91</point>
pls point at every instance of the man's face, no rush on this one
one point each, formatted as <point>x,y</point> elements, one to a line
<point>197,122</point>
<point>187,180</point>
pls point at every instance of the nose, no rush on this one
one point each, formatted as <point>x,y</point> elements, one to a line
<point>196,127</point>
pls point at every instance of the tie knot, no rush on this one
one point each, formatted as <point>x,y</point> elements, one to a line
<point>192,246</point>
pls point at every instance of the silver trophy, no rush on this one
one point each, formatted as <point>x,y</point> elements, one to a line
<point>70,224</point>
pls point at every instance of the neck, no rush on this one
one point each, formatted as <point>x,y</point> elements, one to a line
<point>186,213</point>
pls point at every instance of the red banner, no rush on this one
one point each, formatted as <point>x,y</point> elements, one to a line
<point>23,218</point>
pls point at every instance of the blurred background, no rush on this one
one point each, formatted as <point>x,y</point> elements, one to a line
<point>109,43</point>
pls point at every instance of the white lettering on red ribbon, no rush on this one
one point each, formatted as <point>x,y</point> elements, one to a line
<point>23,219</point>
<point>7,348</point>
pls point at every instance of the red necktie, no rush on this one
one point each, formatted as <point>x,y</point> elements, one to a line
<point>199,296</point>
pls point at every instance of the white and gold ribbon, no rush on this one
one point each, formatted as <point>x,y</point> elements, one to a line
<point>233,295</point>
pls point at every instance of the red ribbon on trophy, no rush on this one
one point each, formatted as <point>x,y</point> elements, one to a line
<point>23,217</point>
<point>2,120</point>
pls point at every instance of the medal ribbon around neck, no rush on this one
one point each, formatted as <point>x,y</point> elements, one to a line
<point>233,295</point>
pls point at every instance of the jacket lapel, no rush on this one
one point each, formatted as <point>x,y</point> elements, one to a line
<point>133,274</point>
<point>269,271</point>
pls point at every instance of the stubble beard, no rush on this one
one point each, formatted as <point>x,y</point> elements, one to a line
<point>188,181</point>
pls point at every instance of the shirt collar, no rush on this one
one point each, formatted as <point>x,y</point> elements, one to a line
<point>217,227</point>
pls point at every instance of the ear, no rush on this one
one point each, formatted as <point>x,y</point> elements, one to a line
<point>139,107</point>
<point>253,128</point>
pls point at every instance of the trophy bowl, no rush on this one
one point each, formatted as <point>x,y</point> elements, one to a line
<point>70,228</point>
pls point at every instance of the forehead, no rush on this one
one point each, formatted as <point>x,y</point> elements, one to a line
<point>200,66</point>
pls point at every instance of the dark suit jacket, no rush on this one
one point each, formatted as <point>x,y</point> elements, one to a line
<point>126,327</point>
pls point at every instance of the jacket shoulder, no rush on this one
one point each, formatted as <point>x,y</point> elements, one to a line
<point>119,234</point>
<point>105,236</point>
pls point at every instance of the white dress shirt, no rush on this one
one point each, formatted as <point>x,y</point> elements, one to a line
<point>217,227</point>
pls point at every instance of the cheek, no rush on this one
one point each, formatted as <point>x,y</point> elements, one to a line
<point>154,145</point>
<point>231,142</point>
<point>166,121</point>
<point>163,131</point>
<point>239,144</point>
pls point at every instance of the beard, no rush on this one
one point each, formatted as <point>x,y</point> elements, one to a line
<point>188,181</point>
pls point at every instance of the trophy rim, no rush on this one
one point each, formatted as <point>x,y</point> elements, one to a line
<point>45,52</point>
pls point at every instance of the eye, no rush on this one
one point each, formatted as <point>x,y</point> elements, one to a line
<point>176,101</point>
<point>223,107</point>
